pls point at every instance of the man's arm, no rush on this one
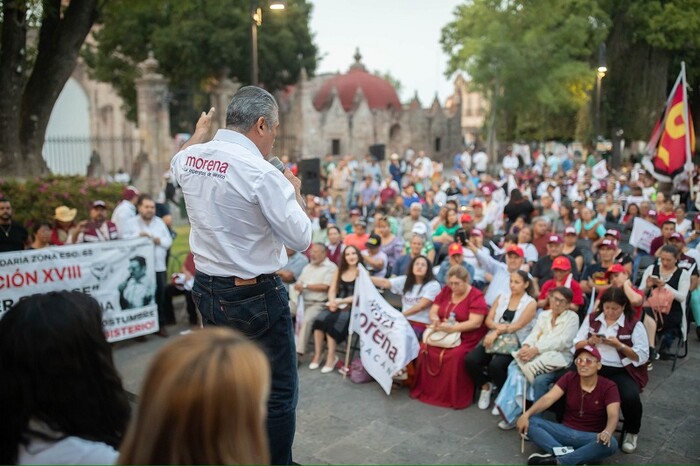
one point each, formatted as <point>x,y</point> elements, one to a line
<point>202,130</point>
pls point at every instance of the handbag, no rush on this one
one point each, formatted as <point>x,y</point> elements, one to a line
<point>505,343</point>
<point>358,373</point>
<point>441,339</point>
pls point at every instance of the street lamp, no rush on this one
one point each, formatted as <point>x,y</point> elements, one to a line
<point>256,20</point>
<point>602,69</point>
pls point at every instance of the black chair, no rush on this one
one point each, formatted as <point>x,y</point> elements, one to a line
<point>644,263</point>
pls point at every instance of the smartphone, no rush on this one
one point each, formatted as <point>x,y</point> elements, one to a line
<point>600,335</point>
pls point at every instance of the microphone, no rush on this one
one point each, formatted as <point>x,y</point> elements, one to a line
<point>277,163</point>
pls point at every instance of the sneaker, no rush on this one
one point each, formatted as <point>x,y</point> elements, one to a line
<point>650,367</point>
<point>485,397</point>
<point>503,425</point>
<point>630,443</point>
<point>495,411</point>
<point>542,458</point>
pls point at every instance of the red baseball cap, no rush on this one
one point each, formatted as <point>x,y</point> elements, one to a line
<point>614,233</point>
<point>130,192</point>
<point>589,349</point>
<point>677,236</point>
<point>466,218</point>
<point>608,243</point>
<point>615,268</point>
<point>561,263</point>
<point>455,248</point>
<point>555,239</point>
<point>515,250</point>
<point>570,231</point>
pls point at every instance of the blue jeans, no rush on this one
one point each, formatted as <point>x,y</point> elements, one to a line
<point>261,312</point>
<point>543,383</point>
<point>548,434</point>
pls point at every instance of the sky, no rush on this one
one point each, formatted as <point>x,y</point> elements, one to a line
<point>398,36</point>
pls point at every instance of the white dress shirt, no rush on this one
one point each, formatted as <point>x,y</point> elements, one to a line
<point>243,211</point>
<point>610,356</point>
<point>123,213</point>
<point>155,229</point>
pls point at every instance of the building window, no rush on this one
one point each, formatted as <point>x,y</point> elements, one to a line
<point>438,143</point>
<point>335,147</point>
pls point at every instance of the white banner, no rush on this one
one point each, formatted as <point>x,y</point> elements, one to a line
<point>600,170</point>
<point>643,233</point>
<point>387,341</point>
<point>120,275</point>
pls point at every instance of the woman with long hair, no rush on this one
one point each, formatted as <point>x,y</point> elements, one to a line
<point>204,401</point>
<point>445,232</point>
<point>61,398</point>
<point>418,289</point>
<point>440,376</point>
<point>518,205</point>
<point>630,214</point>
<point>510,315</point>
<point>566,218</point>
<point>332,323</point>
<point>623,344</point>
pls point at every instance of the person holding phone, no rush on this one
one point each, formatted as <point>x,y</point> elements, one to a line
<point>591,415</point>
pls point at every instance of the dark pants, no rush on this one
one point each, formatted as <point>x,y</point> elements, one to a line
<point>496,366</point>
<point>261,312</point>
<point>630,403</point>
<point>160,297</point>
<point>170,292</point>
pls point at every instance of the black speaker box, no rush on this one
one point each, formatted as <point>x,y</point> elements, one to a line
<point>310,175</point>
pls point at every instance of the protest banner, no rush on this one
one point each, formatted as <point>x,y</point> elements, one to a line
<point>387,341</point>
<point>600,170</point>
<point>120,275</point>
<point>643,233</point>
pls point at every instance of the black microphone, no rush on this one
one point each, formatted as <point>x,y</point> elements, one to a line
<point>277,163</point>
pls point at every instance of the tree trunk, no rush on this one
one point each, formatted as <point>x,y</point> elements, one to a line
<point>61,36</point>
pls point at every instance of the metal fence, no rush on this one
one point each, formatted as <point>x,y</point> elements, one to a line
<point>70,155</point>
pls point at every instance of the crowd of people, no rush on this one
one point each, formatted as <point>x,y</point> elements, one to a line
<point>527,274</point>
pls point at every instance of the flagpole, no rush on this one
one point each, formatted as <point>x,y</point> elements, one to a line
<point>688,137</point>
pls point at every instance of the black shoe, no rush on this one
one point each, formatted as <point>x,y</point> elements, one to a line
<point>542,458</point>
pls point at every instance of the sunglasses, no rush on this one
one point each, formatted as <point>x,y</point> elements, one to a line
<point>585,361</point>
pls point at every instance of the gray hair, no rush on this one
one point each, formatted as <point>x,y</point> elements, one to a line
<point>541,219</point>
<point>249,104</point>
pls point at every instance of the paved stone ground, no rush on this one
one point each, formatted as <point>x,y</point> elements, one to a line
<point>339,422</point>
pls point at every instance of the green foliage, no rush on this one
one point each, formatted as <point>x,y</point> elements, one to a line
<point>36,199</point>
<point>533,60</point>
<point>197,40</point>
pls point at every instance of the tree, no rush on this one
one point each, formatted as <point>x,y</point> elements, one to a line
<point>34,71</point>
<point>532,60</point>
<point>196,41</point>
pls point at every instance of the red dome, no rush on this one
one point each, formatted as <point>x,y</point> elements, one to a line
<point>378,92</point>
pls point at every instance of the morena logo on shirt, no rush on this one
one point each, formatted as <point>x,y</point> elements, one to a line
<point>209,165</point>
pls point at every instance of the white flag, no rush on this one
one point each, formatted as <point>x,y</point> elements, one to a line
<point>643,233</point>
<point>387,341</point>
<point>600,170</point>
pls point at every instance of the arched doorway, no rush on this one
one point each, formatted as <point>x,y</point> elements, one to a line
<point>395,139</point>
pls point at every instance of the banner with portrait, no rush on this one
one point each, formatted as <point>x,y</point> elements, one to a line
<point>120,275</point>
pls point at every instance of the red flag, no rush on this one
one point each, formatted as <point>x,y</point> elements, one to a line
<point>674,149</point>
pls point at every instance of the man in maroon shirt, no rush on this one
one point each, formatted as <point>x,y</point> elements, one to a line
<point>590,416</point>
<point>667,229</point>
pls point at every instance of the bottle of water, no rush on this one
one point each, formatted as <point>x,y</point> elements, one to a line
<point>452,319</point>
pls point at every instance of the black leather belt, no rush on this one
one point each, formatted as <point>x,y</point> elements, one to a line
<point>252,281</point>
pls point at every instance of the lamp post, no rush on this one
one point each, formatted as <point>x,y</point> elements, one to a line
<point>255,21</point>
<point>602,69</point>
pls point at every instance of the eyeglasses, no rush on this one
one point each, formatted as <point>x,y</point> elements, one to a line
<point>585,361</point>
<point>558,300</point>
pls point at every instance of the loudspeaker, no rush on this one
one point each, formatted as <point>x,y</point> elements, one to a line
<point>310,175</point>
<point>378,151</point>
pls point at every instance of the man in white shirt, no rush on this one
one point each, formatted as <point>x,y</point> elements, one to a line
<point>480,161</point>
<point>243,213</point>
<point>147,225</point>
<point>125,211</point>
<point>510,162</point>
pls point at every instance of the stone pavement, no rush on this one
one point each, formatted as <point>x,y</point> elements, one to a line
<point>339,422</point>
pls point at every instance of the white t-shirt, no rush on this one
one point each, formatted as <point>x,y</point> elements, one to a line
<point>70,450</point>
<point>428,291</point>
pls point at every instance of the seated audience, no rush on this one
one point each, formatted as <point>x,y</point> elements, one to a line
<point>561,269</point>
<point>542,270</point>
<point>204,401</point>
<point>391,245</point>
<point>358,237</point>
<point>622,342</point>
<point>440,376</point>
<point>61,398</point>
<point>418,289</point>
<point>590,417</point>
<point>333,322</point>
<point>510,316</point>
<point>335,245</point>
<point>455,256</point>
<point>374,258</point>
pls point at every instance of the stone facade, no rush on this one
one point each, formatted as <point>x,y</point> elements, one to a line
<point>359,111</point>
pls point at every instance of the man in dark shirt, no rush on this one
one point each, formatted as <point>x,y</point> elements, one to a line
<point>542,271</point>
<point>590,416</point>
<point>667,229</point>
<point>13,237</point>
